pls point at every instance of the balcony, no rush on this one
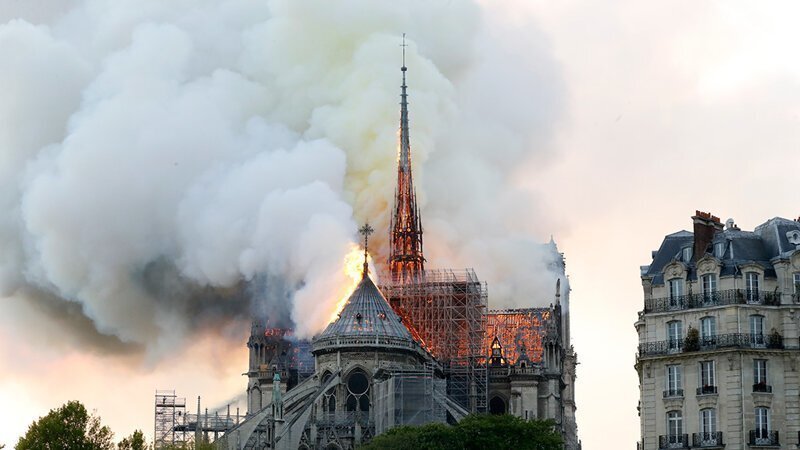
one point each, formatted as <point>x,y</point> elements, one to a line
<point>732,340</point>
<point>673,393</point>
<point>673,441</point>
<point>762,387</point>
<point>706,390</point>
<point>707,440</point>
<point>718,298</point>
<point>764,438</point>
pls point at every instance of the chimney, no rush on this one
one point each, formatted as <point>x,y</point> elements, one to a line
<point>705,227</point>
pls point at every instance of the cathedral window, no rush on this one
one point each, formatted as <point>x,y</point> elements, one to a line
<point>357,392</point>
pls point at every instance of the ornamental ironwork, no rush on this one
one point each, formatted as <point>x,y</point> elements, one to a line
<point>708,299</point>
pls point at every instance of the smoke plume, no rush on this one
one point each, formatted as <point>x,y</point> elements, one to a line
<point>167,167</point>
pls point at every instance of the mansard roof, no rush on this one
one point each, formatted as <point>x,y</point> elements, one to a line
<point>760,247</point>
<point>366,320</point>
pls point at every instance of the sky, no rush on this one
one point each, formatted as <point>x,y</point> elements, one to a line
<point>603,124</point>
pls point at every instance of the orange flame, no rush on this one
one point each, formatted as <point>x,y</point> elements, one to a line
<point>353,264</point>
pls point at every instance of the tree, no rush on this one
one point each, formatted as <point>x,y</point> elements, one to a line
<point>474,432</point>
<point>66,428</point>
<point>133,442</point>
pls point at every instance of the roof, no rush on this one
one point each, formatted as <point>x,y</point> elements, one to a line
<point>366,320</point>
<point>768,241</point>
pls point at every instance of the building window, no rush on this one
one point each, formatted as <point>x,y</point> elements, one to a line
<point>708,423</point>
<point>757,331</point>
<point>719,249</point>
<point>675,427</point>
<point>762,424</point>
<point>709,288</point>
<point>675,335</point>
<point>674,381</point>
<point>760,376</point>
<point>707,378</point>
<point>708,331</point>
<point>687,254</point>
<point>751,284</point>
<point>796,283</point>
<point>675,292</point>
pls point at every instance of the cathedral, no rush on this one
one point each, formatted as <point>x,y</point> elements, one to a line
<point>422,348</point>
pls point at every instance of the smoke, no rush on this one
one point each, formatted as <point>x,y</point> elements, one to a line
<point>170,167</point>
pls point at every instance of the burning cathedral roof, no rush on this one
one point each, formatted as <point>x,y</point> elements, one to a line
<point>366,320</point>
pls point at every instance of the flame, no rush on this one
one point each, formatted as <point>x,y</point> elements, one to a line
<point>353,264</point>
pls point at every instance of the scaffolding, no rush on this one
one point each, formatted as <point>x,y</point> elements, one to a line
<point>408,397</point>
<point>175,427</point>
<point>518,331</point>
<point>446,312</point>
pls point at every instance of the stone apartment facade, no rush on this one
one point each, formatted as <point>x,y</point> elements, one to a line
<point>718,338</point>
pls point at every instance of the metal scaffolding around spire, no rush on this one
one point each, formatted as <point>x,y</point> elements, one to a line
<point>406,260</point>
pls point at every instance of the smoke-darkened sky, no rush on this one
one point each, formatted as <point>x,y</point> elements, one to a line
<point>170,169</point>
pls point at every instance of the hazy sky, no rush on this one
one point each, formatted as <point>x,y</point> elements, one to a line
<point>605,124</point>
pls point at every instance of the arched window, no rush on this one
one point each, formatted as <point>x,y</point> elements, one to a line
<point>708,429</point>
<point>675,429</point>
<point>708,331</point>
<point>708,421</point>
<point>676,292</point>
<point>357,391</point>
<point>497,405</point>
<point>675,335</point>
<point>751,283</point>
<point>709,288</point>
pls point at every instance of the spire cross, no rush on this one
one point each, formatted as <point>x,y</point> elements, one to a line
<point>366,230</point>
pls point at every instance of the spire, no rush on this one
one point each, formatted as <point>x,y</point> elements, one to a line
<point>405,144</point>
<point>366,230</point>
<point>406,261</point>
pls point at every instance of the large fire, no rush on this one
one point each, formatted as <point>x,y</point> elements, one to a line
<point>353,265</point>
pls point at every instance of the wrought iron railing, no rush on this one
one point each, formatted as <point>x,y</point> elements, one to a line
<point>673,393</point>
<point>764,438</point>
<point>673,441</point>
<point>707,440</point>
<point>730,340</point>
<point>716,298</point>
<point>762,387</point>
<point>706,390</point>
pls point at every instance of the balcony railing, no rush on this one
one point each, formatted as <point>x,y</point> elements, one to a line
<point>673,393</point>
<point>762,387</point>
<point>717,298</point>
<point>706,390</point>
<point>764,438</point>
<point>674,441</point>
<point>707,440</point>
<point>731,340</point>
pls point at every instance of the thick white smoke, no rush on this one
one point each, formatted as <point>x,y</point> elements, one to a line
<point>156,157</point>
